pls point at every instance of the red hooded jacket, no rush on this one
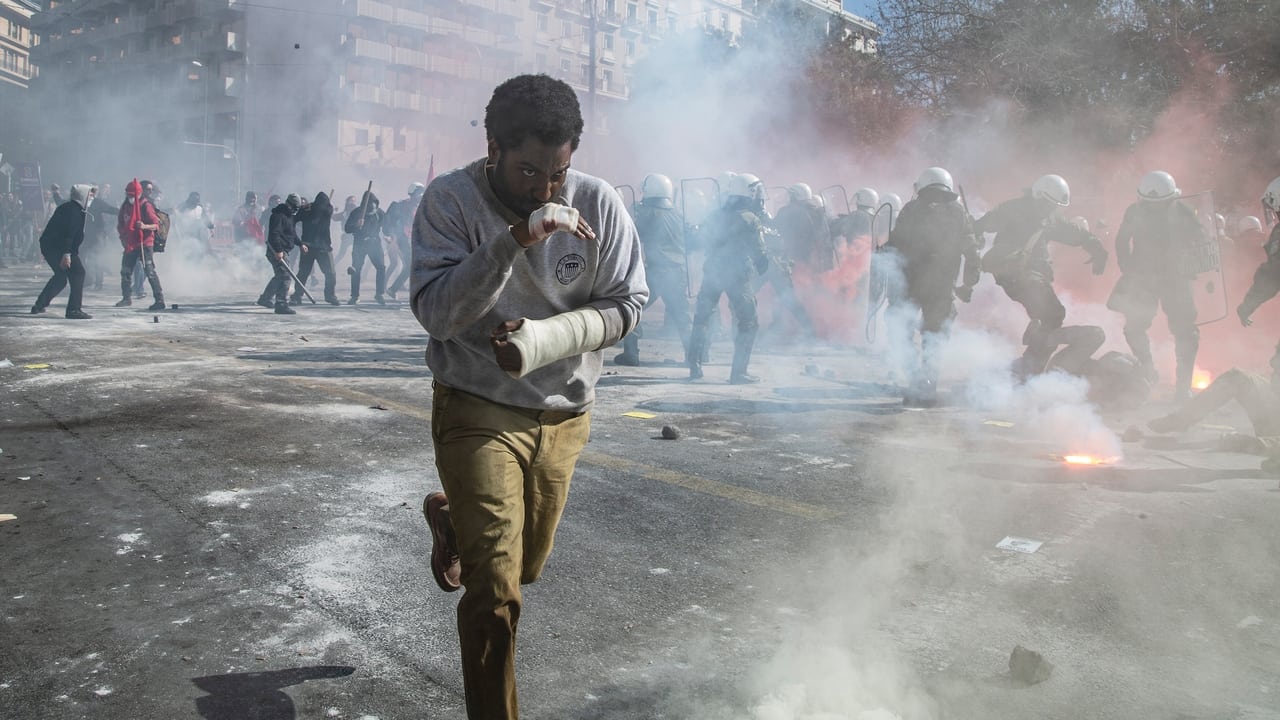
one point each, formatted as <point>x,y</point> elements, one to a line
<point>133,215</point>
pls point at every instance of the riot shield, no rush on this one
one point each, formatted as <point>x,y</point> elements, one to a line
<point>1205,259</point>
<point>628,194</point>
<point>698,198</point>
<point>830,195</point>
<point>775,197</point>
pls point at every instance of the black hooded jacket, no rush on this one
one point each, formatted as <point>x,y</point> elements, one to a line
<point>315,224</point>
<point>371,228</point>
<point>282,234</point>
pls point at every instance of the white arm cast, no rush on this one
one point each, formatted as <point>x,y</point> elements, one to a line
<point>542,342</point>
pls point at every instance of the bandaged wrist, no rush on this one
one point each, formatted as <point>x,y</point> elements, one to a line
<point>542,342</point>
<point>552,217</point>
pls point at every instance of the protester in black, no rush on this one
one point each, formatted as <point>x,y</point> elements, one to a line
<point>60,245</point>
<point>317,247</point>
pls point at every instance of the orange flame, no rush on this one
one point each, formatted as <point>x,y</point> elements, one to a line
<point>1200,379</point>
<point>1087,460</point>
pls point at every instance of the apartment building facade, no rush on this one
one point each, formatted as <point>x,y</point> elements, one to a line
<point>16,71</point>
<point>235,94</point>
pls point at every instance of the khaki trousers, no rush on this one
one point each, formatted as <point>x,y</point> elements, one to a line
<point>506,472</point>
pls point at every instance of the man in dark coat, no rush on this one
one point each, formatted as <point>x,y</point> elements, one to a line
<point>317,247</point>
<point>282,236</point>
<point>60,246</point>
<point>365,225</point>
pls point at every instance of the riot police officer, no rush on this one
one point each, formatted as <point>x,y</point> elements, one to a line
<point>1156,249</point>
<point>661,232</point>
<point>735,255</point>
<point>920,261</point>
<point>1019,261</point>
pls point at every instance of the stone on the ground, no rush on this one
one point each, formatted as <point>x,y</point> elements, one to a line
<point>1028,666</point>
<point>670,432</point>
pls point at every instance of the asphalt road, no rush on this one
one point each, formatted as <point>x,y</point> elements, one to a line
<point>217,515</point>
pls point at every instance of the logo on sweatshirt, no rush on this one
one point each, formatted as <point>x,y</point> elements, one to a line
<point>570,267</point>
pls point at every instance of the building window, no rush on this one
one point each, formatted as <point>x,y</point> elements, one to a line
<point>362,136</point>
<point>566,29</point>
<point>15,31</point>
<point>608,42</point>
<point>544,23</point>
<point>724,22</point>
<point>586,74</point>
<point>401,142</point>
<point>631,48</point>
<point>564,66</point>
<point>607,81</point>
<point>540,61</point>
<point>633,12</point>
<point>653,20</point>
<point>610,8</point>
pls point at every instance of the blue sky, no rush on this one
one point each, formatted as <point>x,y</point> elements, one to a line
<point>865,8</point>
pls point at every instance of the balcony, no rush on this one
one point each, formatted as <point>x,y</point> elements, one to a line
<point>608,21</point>
<point>632,27</point>
<point>121,28</point>
<point>409,58</point>
<point>405,100</point>
<point>571,8</point>
<point>412,19</point>
<point>173,13</point>
<point>375,10</point>
<point>373,94</point>
<point>373,50</point>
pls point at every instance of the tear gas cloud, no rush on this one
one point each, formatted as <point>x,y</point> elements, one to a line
<point>749,112</point>
<point>837,663</point>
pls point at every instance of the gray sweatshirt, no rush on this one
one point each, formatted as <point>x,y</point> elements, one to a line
<point>470,275</point>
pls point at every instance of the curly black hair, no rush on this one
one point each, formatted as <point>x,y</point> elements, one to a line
<point>537,105</point>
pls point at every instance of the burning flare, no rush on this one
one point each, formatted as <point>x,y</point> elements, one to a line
<point>1087,460</point>
<point>1200,379</point>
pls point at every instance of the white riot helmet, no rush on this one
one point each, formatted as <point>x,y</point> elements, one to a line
<point>801,193</point>
<point>723,182</point>
<point>893,201</point>
<point>1081,222</point>
<point>416,189</point>
<point>1271,198</point>
<point>866,198</point>
<point>1157,186</point>
<point>1247,223</point>
<point>1052,188</point>
<point>658,189</point>
<point>746,185</point>
<point>935,177</point>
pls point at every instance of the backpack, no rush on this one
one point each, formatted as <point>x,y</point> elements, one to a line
<point>162,229</point>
